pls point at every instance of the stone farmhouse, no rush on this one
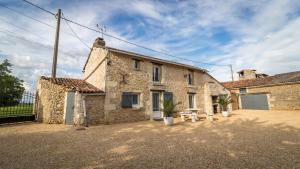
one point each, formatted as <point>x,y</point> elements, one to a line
<point>121,86</point>
<point>263,92</point>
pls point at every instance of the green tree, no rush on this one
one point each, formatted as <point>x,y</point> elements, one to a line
<point>11,88</point>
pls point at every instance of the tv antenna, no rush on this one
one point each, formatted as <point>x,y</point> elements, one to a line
<point>102,29</point>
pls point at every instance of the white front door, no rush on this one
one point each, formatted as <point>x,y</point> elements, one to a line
<point>156,113</point>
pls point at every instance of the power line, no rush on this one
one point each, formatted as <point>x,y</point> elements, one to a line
<point>21,28</point>
<point>134,44</point>
<point>24,15</point>
<point>20,13</point>
<point>76,34</point>
<point>39,7</point>
<point>123,40</point>
<point>31,41</point>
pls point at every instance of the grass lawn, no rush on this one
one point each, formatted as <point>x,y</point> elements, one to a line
<point>17,110</point>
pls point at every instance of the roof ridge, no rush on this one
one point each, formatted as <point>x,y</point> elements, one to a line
<point>78,84</point>
<point>153,58</point>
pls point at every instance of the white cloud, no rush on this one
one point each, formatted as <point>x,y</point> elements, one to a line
<point>264,34</point>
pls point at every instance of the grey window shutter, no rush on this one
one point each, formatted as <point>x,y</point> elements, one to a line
<point>127,100</point>
<point>168,96</point>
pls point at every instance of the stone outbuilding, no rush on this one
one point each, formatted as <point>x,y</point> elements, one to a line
<point>66,100</point>
<point>122,86</point>
<point>263,92</point>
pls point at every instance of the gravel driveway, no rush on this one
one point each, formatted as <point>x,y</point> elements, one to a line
<point>247,139</point>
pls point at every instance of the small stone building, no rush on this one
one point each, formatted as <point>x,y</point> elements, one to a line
<point>66,100</point>
<point>124,87</point>
<point>263,92</point>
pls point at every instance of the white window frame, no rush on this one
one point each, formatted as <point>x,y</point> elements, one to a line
<point>159,73</point>
<point>137,105</point>
<point>190,77</point>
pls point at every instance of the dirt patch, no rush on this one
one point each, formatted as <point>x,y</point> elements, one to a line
<point>247,139</point>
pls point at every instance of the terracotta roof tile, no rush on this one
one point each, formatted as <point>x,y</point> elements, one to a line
<point>270,80</point>
<point>76,84</point>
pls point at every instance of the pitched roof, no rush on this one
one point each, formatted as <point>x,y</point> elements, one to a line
<point>137,55</point>
<point>76,84</point>
<point>154,59</point>
<point>269,80</point>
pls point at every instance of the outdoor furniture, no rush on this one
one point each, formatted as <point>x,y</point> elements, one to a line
<point>190,113</point>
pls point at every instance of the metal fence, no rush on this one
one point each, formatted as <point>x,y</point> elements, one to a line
<point>17,109</point>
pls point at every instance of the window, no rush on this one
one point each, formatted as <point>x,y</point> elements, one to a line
<point>190,77</point>
<point>243,90</point>
<point>191,100</point>
<point>137,64</point>
<point>156,73</point>
<point>130,100</point>
<point>168,96</point>
<point>214,99</point>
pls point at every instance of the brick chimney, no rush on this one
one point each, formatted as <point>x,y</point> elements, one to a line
<point>99,42</point>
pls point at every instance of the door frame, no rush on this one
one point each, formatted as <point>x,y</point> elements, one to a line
<point>159,103</point>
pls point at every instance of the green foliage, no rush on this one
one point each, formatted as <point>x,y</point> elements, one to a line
<point>169,108</point>
<point>24,109</point>
<point>224,101</point>
<point>11,88</point>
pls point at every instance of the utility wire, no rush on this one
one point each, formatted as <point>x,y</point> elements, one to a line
<point>22,28</point>
<point>75,34</point>
<point>137,45</point>
<point>39,7</point>
<point>24,15</point>
<point>123,40</point>
<point>10,33</point>
<point>20,13</point>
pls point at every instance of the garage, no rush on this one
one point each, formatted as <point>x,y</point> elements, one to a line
<point>256,101</point>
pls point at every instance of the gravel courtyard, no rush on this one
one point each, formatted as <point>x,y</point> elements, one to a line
<point>247,139</point>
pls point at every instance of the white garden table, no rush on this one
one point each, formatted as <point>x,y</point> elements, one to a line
<point>190,113</point>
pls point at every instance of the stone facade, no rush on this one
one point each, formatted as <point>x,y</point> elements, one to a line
<point>95,109</point>
<point>120,76</point>
<point>95,68</point>
<point>50,102</point>
<point>281,97</point>
<point>114,73</point>
<point>51,105</point>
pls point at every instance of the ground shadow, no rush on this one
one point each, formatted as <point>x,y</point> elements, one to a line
<point>242,143</point>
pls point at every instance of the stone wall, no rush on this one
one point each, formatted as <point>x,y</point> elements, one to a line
<point>281,97</point>
<point>235,101</point>
<point>94,72</point>
<point>122,77</point>
<point>95,109</point>
<point>51,98</point>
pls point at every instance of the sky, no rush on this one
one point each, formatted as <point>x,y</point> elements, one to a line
<point>261,34</point>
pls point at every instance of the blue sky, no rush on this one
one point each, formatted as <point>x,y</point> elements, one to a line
<point>262,34</point>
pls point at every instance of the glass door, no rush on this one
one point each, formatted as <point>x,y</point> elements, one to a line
<point>156,105</point>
